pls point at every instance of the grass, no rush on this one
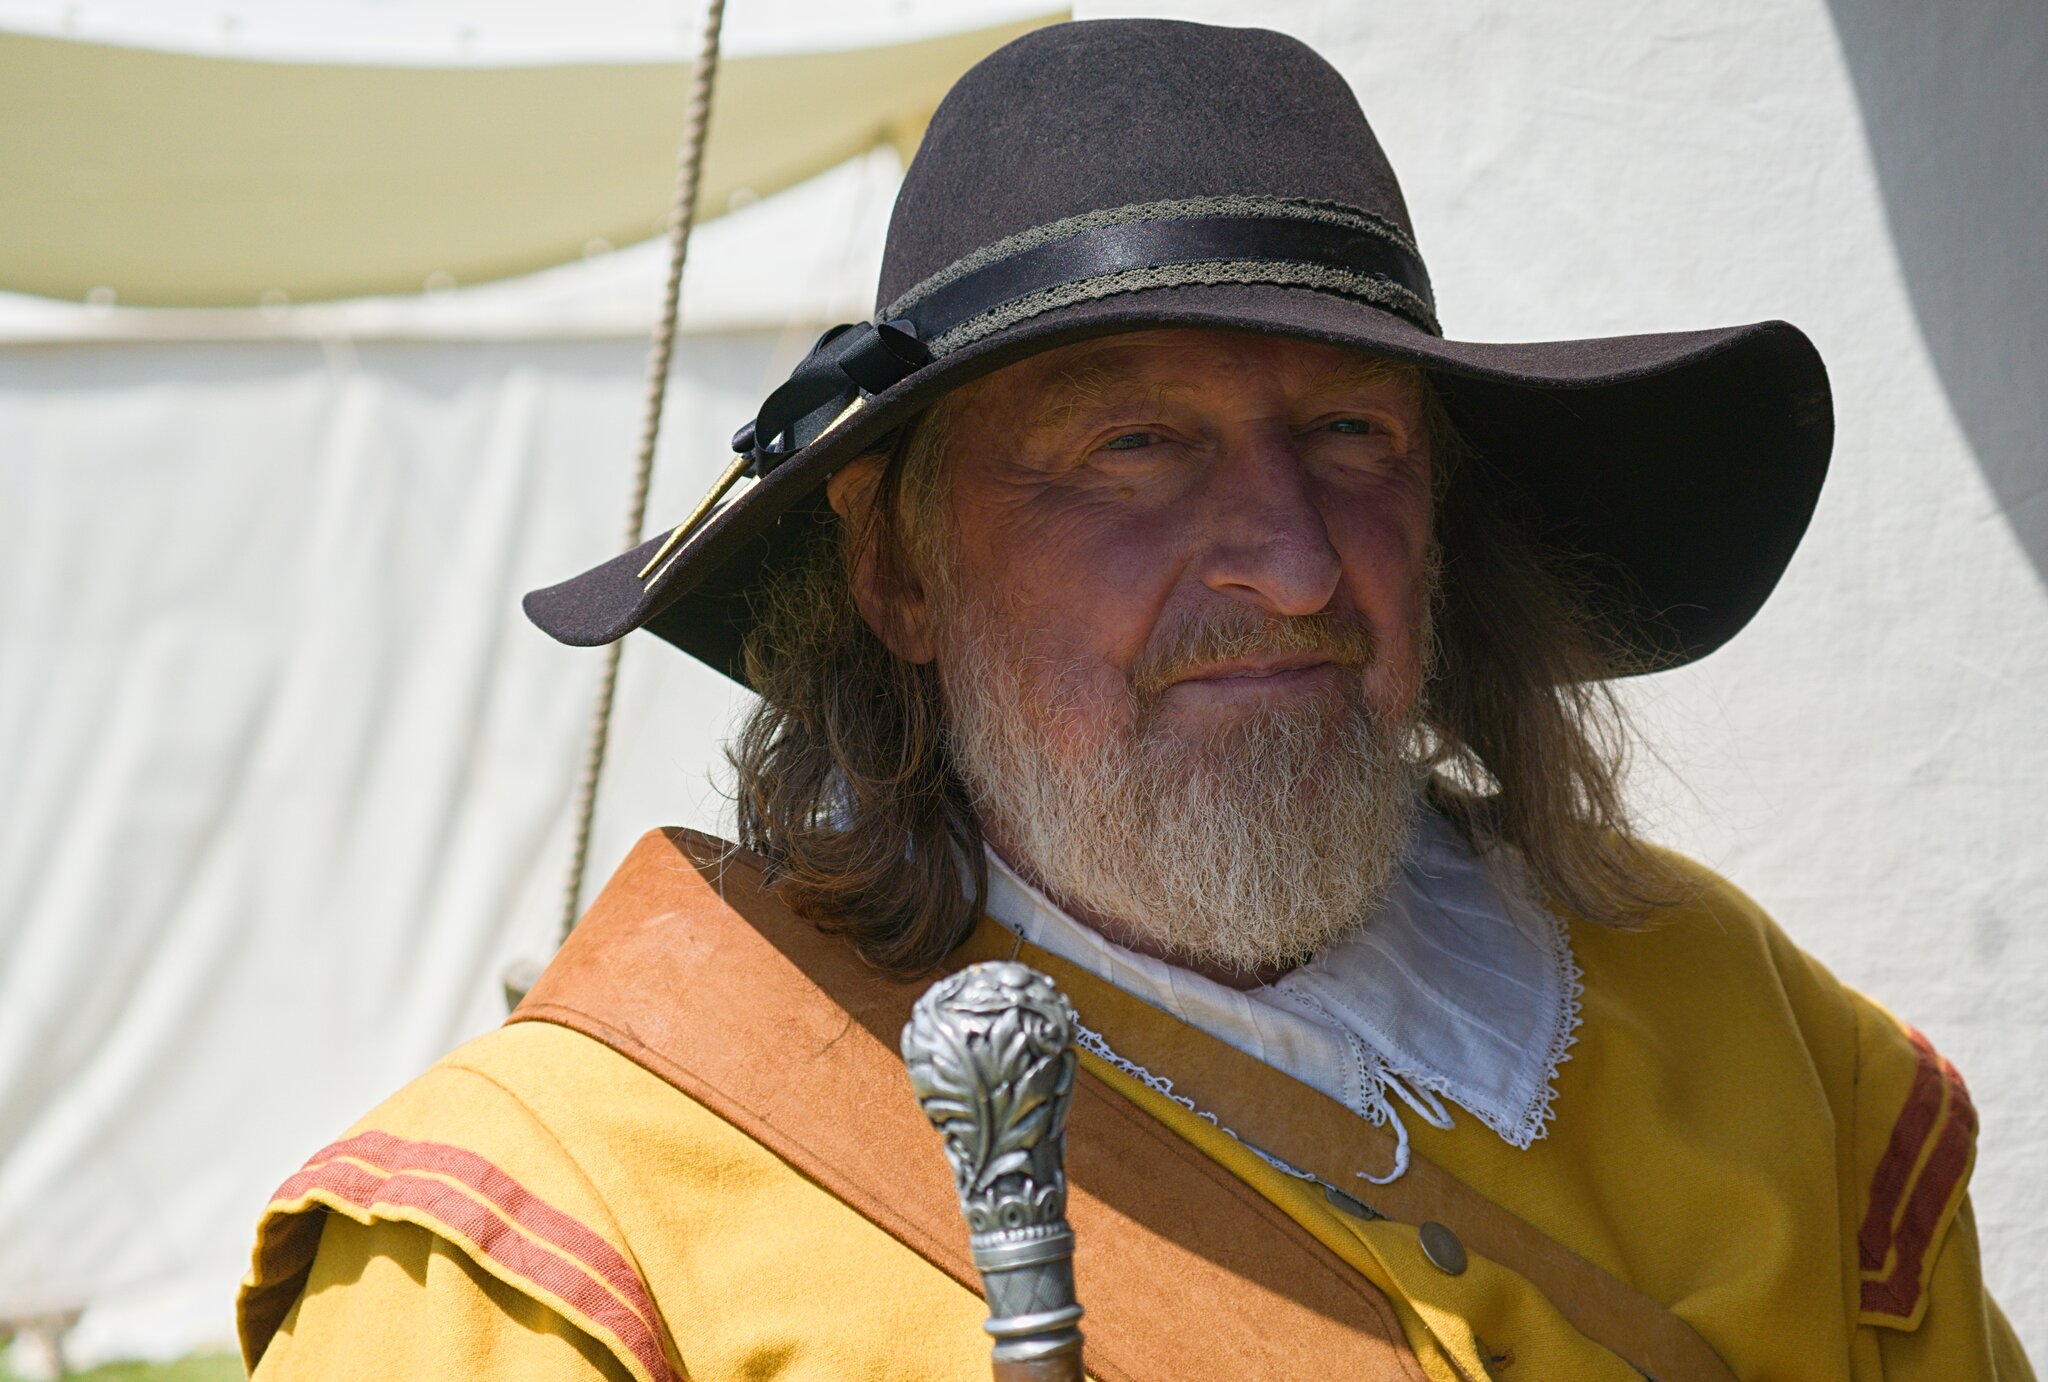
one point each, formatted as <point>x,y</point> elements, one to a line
<point>200,1367</point>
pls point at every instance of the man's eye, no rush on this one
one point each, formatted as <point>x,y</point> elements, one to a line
<point>1130,441</point>
<point>1352,426</point>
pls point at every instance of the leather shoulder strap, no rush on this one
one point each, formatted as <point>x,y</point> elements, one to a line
<point>688,967</point>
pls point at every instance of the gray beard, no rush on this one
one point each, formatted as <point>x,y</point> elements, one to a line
<point>1250,848</point>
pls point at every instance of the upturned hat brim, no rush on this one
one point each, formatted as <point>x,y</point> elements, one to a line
<point>1683,466</point>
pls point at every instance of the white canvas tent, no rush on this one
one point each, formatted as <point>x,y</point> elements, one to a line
<point>287,777</point>
<point>287,774</point>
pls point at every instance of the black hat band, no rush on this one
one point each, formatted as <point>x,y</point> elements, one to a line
<point>1071,257</point>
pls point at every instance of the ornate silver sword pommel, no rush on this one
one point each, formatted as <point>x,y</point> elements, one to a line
<point>991,1057</point>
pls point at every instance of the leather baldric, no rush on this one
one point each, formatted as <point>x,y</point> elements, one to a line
<point>687,966</point>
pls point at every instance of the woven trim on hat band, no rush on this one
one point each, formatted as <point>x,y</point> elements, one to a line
<point>1278,273</point>
<point>1182,208</point>
<point>1284,241</point>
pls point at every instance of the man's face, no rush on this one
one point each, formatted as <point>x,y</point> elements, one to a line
<point>1112,499</point>
<point>1181,626</point>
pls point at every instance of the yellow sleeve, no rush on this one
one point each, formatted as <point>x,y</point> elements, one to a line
<point>586,1184</point>
<point>458,1157</point>
<point>1963,1333</point>
<point>392,1299</point>
<point>1923,1312</point>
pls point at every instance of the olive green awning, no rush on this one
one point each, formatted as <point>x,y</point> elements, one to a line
<point>180,180</point>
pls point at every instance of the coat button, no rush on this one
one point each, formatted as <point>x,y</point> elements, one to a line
<point>1442,1248</point>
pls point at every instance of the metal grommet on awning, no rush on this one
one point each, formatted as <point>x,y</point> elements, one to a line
<point>1442,1248</point>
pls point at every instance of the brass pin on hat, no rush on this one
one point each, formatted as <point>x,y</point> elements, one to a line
<point>725,482</point>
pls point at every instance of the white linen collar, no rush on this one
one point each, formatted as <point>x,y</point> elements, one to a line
<point>1460,985</point>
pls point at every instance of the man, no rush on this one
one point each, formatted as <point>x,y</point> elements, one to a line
<point>1153,592</point>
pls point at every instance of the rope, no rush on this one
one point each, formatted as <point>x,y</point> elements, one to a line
<point>681,216</point>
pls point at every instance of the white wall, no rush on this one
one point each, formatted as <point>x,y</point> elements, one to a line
<point>1870,758</point>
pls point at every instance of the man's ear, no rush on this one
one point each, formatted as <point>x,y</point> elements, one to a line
<point>892,601</point>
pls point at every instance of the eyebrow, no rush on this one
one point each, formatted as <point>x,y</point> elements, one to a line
<point>1091,383</point>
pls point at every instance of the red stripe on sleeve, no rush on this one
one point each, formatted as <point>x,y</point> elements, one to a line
<point>1897,1293</point>
<point>571,1262</point>
<point>1888,1183</point>
<point>519,1204</point>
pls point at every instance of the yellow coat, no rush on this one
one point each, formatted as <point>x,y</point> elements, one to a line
<point>1768,1154</point>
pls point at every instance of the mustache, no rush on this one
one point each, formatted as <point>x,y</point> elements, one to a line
<point>1344,639</point>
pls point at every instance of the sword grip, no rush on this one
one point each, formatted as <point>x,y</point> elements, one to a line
<point>990,1052</point>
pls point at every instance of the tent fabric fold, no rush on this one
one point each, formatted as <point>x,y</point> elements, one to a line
<point>172,179</point>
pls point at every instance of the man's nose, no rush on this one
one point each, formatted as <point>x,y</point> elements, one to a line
<point>1268,540</point>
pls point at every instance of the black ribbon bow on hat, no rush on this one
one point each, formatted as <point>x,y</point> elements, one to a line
<point>849,362</point>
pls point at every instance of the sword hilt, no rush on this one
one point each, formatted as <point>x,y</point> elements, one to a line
<point>991,1056</point>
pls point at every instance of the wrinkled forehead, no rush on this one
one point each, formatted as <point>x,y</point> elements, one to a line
<point>1166,365</point>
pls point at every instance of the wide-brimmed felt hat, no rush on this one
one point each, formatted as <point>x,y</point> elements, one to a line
<point>1117,175</point>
